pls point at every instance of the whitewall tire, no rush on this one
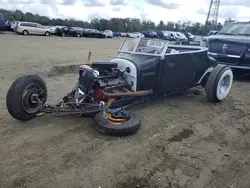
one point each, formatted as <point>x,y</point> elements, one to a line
<point>219,83</point>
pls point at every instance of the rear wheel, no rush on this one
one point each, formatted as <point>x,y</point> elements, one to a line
<point>117,125</point>
<point>219,83</point>
<point>25,32</point>
<point>23,96</point>
<point>78,35</point>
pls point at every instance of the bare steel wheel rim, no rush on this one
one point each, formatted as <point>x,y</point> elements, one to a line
<point>32,94</point>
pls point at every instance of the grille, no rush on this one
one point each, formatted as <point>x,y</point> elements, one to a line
<point>232,49</point>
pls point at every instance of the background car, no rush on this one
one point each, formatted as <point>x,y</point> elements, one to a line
<point>116,34</point>
<point>164,35</point>
<point>178,36</point>
<point>2,23</point>
<point>135,35</point>
<point>149,34</point>
<point>190,36</point>
<point>8,25</point>
<point>212,32</point>
<point>93,33</point>
<point>14,25</point>
<point>53,28</point>
<point>108,33</point>
<point>124,34</point>
<point>32,28</point>
<point>68,32</point>
<point>231,46</point>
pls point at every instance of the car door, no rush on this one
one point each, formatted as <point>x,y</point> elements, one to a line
<point>179,70</point>
<point>33,28</point>
<point>40,29</point>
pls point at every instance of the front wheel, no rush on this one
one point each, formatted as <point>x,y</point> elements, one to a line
<point>117,126</point>
<point>219,83</point>
<point>23,97</point>
<point>47,33</point>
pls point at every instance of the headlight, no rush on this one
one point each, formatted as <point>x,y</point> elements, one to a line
<point>203,43</point>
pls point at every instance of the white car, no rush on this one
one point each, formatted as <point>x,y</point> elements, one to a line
<point>13,25</point>
<point>191,36</point>
<point>108,33</point>
<point>178,36</point>
<point>32,28</point>
<point>135,35</point>
<point>53,28</point>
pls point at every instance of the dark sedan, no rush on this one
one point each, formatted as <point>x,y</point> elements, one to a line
<point>68,32</point>
<point>2,23</point>
<point>150,34</point>
<point>93,33</point>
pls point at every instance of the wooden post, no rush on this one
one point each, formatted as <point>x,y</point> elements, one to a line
<point>90,59</point>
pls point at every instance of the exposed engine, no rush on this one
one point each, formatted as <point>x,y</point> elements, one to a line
<point>93,81</point>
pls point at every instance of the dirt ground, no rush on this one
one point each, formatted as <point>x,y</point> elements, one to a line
<point>184,141</point>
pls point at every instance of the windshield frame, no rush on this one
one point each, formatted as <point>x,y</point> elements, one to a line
<point>137,41</point>
<point>240,28</point>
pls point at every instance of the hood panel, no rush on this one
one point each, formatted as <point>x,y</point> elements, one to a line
<point>231,38</point>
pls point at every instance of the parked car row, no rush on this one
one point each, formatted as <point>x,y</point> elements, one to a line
<point>166,35</point>
<point>32,28</point>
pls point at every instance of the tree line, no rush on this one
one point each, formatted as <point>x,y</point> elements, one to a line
<point>114,24</point>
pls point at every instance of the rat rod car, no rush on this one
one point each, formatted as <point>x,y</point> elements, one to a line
<point>144,68</point>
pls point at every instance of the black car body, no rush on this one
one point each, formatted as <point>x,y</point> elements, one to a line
<point>163,35</point>
<point>150,34</point>
<point>2,23</point>
<point>8,25</point>
<point>231,45</point>
<point>93,33</point>
<point>144,68</point>
<point>68,32</point>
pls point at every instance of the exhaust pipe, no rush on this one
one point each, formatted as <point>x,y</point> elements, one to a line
<point>131,94</point>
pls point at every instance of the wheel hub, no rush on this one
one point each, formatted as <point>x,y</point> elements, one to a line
<point>119,117</point>
<point>31,97</point>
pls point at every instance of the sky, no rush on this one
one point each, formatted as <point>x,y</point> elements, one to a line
<point>154,10</point>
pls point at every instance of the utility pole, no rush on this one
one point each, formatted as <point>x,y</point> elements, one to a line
<point>212,15</point>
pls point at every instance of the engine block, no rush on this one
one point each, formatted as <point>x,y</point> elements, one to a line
<point>106,82</point>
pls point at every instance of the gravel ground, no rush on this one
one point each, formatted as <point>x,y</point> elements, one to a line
<point>184,141</point>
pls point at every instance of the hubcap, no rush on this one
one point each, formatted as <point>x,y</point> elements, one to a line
<point>224,85</point>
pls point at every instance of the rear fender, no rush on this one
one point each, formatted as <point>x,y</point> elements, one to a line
<point>205,75</point>
<point>209,70</point>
